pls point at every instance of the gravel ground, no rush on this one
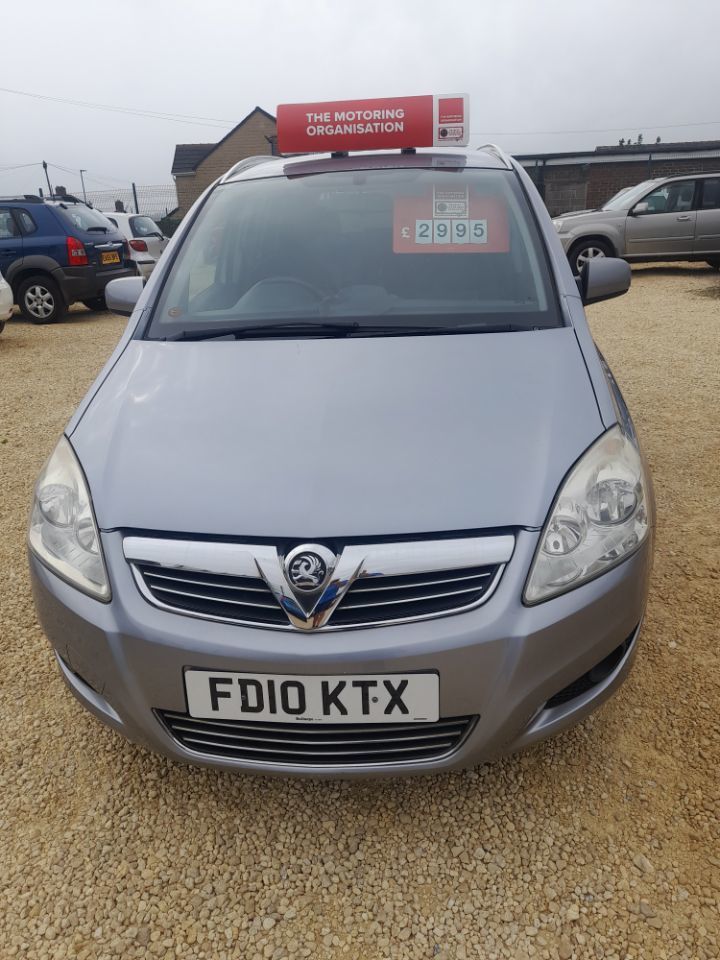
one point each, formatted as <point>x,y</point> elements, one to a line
<point>602,843</point>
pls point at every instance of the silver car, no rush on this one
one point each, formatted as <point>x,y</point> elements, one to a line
<point>355,494</point>
<point>675,218</point>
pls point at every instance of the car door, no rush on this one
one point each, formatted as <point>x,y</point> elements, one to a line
<point>11,245</point>
<point>662,223</point>
<point>707,229</point>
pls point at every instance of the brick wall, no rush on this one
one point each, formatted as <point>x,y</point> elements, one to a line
<point>605,179</point>
<point>565,188</point>
<point>579,186</point>
<point>187,193</point>
<point>249,140</point>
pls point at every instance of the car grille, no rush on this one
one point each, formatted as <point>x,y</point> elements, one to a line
<point>311,744</point>
<point>247,599</point>
<point>379,599</point>
<point>370,600</point>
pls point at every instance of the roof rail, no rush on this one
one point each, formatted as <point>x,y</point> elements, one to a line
<point>25,198</point>
<point>498,152</point>
<point>245,164</point>
<point>61,197</point>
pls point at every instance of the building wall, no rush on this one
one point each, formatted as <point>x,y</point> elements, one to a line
<point>565,188</point>
<point>607,178</point>
<point>248,141</point>
<point>582,186</point>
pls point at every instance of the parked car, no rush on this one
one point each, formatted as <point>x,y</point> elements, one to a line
<point>145,239</point>
<point>6,302</point>
<point>56,252</point>
<point>673,218</point>
<point>356,494</point>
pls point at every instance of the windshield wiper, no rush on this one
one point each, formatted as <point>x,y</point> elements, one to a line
<point>281,329</point>
<point>101,229</point>
<point>339,329</point>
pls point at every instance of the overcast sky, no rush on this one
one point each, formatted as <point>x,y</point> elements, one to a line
<point>531,67</point>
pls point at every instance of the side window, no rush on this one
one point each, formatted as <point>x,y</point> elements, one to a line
<point>685,194</point>
<point>710,195</point>
<point>671,197</point>
<point>8,227</point>
<point>26,221</point>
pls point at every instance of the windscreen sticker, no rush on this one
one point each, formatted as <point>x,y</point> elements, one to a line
<point>450,220</point>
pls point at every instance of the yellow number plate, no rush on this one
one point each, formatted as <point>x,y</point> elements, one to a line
<point>113,257</point>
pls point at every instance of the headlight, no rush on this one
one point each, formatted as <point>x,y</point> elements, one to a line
<point>601,515</point>
<point>63,532</point>
<point>558,225</point>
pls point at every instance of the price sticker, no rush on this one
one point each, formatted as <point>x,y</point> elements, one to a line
<point>440,230</point>
<point>450,220</point>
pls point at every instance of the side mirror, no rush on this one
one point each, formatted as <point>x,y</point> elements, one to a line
<point>122,294</point>
<point>639,208</point>
<point>602,279</point>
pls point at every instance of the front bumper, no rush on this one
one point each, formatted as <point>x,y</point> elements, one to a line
<point>501,662</point>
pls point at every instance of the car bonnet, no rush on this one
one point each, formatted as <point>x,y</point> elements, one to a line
<point>337,437</point>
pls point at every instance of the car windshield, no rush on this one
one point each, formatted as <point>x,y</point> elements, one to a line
<point>144,227</point>
<point>80,217</point>
<point>445,248</point>
<point>626,197</point>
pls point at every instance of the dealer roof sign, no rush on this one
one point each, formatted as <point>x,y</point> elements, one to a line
<point>383,123</point>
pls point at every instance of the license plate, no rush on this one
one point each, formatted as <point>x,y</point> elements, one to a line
<point>112,257</point>
<point>361,698</point>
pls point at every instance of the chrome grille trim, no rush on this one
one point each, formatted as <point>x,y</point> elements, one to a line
<point>319,745</point>
<point>391,601</point>
<point>369,585</point>
<point>202,596</point>
<point>205,583</point>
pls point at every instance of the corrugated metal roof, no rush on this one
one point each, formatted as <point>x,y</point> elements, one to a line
<point>573,159</point>
<point>680,150</point>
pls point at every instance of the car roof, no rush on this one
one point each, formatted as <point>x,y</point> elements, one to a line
<point>257,168</point>
<point>67,202</point>
<point>687,176</point>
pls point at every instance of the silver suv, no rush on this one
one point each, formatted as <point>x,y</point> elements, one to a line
<point>674,218</point>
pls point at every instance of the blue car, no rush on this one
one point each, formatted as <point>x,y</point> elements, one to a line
<point>56,252</point>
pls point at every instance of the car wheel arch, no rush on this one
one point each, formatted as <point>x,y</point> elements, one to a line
<point>600,240</point>
<point>30,267</point>
<point>596,238</point>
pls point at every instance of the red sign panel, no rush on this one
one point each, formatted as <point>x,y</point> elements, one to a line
<point>450,220</point>
<point>383,123</point>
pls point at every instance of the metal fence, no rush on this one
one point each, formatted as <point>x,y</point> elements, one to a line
<point>156,201</point>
